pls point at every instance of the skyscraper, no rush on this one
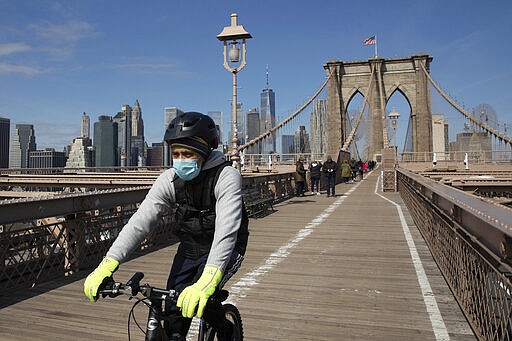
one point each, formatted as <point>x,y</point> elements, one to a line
<point>23,142</point>
<point>170,114</point>
<point>85,128</point>
<point>268,118</point>
<point>287,144</point>
<point>124,135</point>
<point>137,122</point>
<point>240,125</point>
<point>217,118</point>
<point>105,142</point>
<point>318,126</point>
<point>301,141</point>
<point>5,128</point>
<point>253,130</point>
<point>138,157</point>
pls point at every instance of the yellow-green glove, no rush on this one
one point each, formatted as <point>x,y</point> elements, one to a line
<point>197,294</point>
<point>95,279</point>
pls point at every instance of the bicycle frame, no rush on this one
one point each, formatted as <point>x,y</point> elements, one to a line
<point>154,329</point>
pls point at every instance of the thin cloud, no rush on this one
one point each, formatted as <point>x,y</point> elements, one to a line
<point>10,48</point>
<point>49,137</point>
<point>152,67</point>
<point>23,69</point>
<point>144,66</point>
<point>69,32</point>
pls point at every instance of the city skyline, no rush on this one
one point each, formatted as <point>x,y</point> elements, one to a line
<point>60,59</point>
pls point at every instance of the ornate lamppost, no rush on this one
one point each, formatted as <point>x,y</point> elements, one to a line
<point>393,118</point>
<point>232,35</point>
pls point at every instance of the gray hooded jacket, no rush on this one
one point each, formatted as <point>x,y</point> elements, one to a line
<point>159,200</point>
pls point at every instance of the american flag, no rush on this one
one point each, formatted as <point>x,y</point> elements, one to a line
<point>369,41</point>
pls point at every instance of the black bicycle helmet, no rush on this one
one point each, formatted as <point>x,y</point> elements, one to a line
<point>193,124</point>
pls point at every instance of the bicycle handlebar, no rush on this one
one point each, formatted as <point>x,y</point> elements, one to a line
<point>133,288</point>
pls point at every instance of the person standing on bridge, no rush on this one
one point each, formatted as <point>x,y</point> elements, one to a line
<point>330,168</point>
<point>315,169</point>
<point>345,171</point>
<point>300,177</point>
<point>204,193</point>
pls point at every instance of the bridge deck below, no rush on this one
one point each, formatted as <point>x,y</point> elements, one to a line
<point>318,268</point>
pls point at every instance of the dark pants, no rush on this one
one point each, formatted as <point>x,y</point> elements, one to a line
<point>299,188</point>
<point>330,182</point>
<point>315,181</point>
<point>185,272</point>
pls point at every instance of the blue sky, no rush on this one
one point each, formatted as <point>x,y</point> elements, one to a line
<point>61,58</point>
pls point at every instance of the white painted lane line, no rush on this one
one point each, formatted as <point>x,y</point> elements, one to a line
<point>239,289</point>
<point>436,319</point>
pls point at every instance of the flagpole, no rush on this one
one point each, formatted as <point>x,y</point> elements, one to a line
<point>375,46</point>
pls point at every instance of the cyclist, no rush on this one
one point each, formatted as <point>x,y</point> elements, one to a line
<point>212,232</point>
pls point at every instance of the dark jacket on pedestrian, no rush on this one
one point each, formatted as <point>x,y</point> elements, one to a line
<point>315,169</point>
<point>330,167</point>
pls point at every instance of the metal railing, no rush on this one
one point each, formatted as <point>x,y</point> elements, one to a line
<point>47,238</point>
<point>471,157</point>
<point>471,242</point>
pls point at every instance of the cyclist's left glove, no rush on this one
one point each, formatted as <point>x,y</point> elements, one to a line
<point>98,276</point>
<point>197,294</point>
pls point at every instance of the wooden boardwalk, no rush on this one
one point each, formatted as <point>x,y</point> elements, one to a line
<point>318,268</point>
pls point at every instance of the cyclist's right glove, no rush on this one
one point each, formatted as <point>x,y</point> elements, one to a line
<point>96,278</point>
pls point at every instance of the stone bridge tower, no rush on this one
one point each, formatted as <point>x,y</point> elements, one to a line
<point>398,74</point>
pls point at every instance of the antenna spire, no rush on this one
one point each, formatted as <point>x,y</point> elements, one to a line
<point>267,76</point>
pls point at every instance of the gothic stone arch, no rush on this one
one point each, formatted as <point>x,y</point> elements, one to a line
<point>403,74</point>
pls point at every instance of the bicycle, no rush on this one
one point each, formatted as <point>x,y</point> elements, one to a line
<point>154,299</point>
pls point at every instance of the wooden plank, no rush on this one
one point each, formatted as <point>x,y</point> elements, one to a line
<point>351,278</point>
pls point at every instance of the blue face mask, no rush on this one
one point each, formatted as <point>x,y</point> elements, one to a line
<point>186,169</point>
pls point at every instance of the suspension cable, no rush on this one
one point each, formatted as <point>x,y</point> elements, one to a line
<point>489,129</point>
<point>288,119</point>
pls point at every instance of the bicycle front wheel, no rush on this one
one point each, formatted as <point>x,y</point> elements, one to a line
<point>232,315</point>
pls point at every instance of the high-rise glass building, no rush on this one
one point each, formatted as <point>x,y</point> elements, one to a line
<point>170,114</point>
<point>217,118</point>
<point>253,130</point>
<point>318,126</point>
<point>124,135</point>
<point>287,142</point>
<point>105,142</point>
<point>85,128</point>
<point>23,142</point>
<point>268,119</point>
<point>5,129</point>
<point>240,125</point>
